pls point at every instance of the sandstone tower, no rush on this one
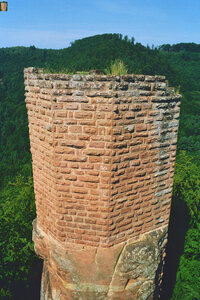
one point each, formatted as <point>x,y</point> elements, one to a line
<point>103,150</point>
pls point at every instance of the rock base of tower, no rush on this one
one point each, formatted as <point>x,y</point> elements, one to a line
<point>129,270</point>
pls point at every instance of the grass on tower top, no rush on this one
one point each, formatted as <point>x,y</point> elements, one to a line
<point>117,68</point>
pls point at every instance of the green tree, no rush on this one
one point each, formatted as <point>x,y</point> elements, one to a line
<point>17,256</point>
<point>187,189</point>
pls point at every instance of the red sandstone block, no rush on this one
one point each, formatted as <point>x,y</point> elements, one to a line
<point>89,178</point>
<point>81,214</point>
<point>123,165</point>
<point>99,138</point>
<point>140,127</point>
<point>61,114</point>
<point>104,131</point>
<point>84,226</point>
<point>116,160</point>
<point>72,106</point>
<point>87,122</point>
<point>68,206</point>
<point>97,144</point>
<point>94,215</point>
<point>87,166</point>
<point>104,123</point>
<point>95,159</point>
<point>125,210</point>
<point>94,173</point>
<point>83,115</point>
<point>117,131</point>
<point>140,174</point>
<point>72,213</point>
<point>75,158</point>
<point>120,145</point>
<point>79,172</point>
<point>91,221</point>
<point>102,222</point>
<point>75,129</point>
<point>92,208</point>
<point>131,156</point>
<point>135,163</point>
<point>118,173</point>
<point>71,114</point>
<point>72,225</point>
<point>61,234</point>
<point>106,160</point>
<point>84,137</point>
<point>102,116</point>
<point>140,114</point>
<point>88,107</point>
<point>79,207</point>
<point>103,234</point>
<point>78,196</point>
<point>139,148</point>
<point>94,152</point>
<point>75,236</point>
<point>106,209</point>
<point>79,190</point>
<point>63,168</point>
<point>61,223</point>
<point>70,122</point>
<point>146,161</point>
<point>130,115</point>
<point>105,180</point>
<point>70,177</point>
<point>79,231</point>
<point>136,107</point>
<point>91,185</point>
<point>125,228</point>
<point>119,219</point>
<point>90,130</point>
<point>105,108</point>
<point>94,192</point>
<point>78,220</point>
<point>90,238</point>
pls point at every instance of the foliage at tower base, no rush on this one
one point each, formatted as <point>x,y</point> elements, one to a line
<point>187,189</point>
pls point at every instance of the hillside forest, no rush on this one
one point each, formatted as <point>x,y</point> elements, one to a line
<point>20,269</point>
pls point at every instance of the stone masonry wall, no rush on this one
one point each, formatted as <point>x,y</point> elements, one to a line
<point>103,150</point>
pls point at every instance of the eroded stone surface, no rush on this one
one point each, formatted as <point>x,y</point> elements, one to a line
<point>124,271</point>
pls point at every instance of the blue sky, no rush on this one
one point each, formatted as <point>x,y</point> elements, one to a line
<point>54,24</point>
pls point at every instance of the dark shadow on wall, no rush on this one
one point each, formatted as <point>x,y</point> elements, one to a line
<point>178,226</point>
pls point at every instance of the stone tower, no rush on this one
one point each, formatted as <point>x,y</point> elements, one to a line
<point>103,151</point>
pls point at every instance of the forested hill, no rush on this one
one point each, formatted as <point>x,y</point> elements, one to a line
<point>98,51</point>
<point>180,63</point>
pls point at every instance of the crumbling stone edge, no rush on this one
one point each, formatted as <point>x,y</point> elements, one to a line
<point>124,271</point>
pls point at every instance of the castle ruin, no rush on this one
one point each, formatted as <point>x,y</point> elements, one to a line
<point>103,150</point>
